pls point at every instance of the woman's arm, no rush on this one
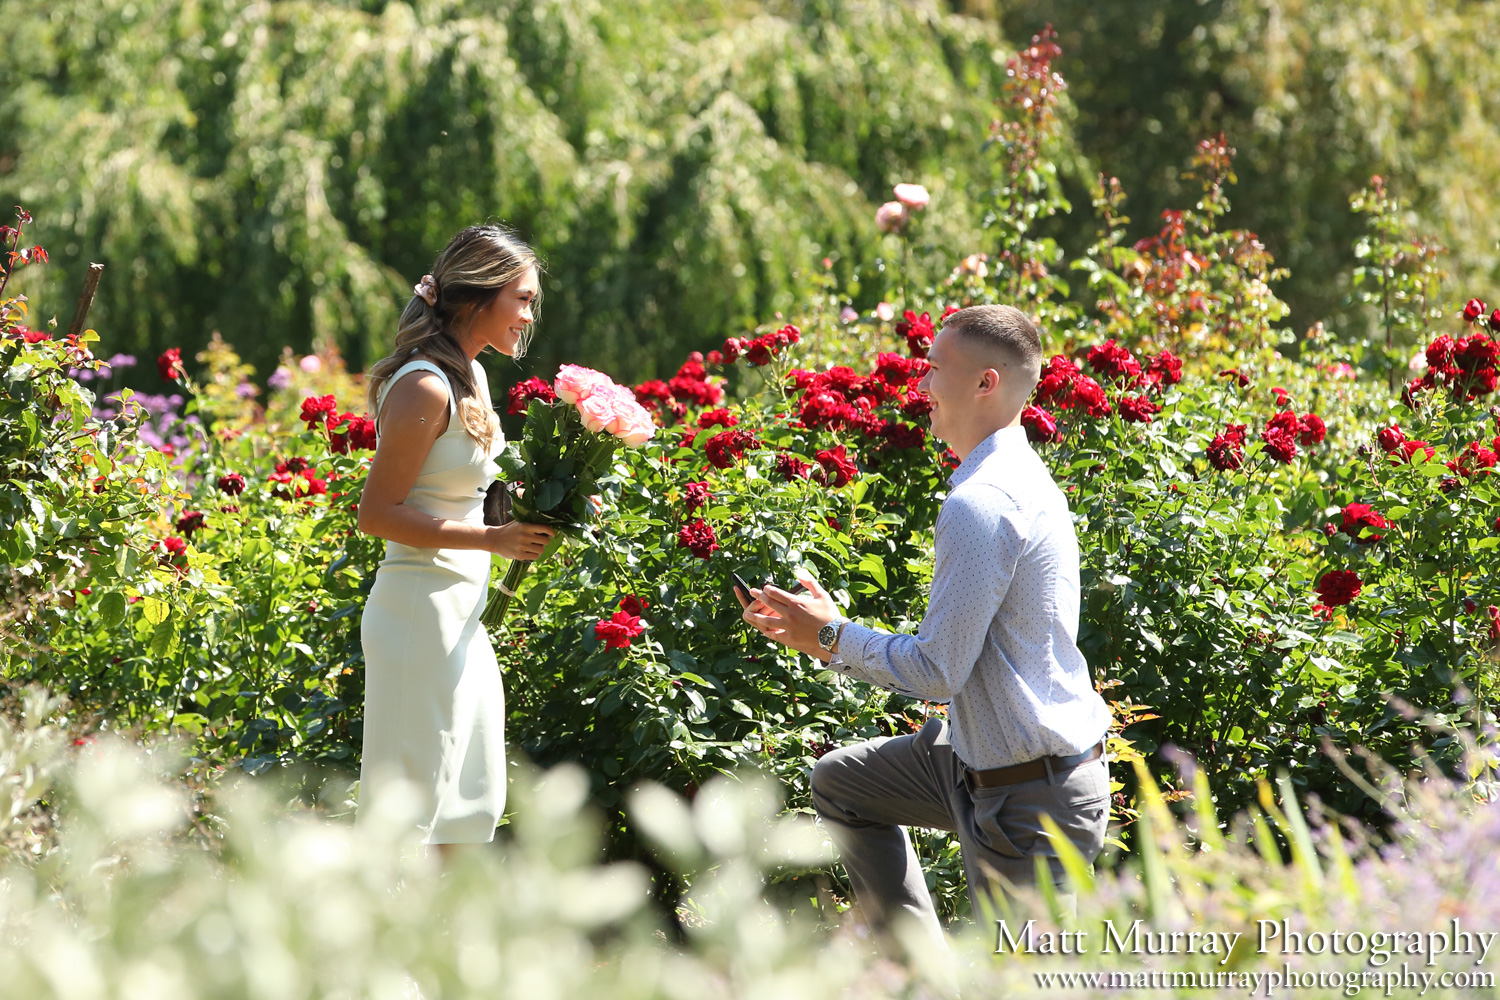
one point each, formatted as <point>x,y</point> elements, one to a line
<point>414,414</point>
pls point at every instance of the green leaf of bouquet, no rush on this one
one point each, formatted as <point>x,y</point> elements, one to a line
<point>549,495</point>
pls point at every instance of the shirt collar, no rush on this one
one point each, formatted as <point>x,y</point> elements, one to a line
<point>1004,440</point>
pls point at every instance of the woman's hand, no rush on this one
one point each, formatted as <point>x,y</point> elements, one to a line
<point>519,540</point>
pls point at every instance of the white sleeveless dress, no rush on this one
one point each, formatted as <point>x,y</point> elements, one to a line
<point>434,707</point>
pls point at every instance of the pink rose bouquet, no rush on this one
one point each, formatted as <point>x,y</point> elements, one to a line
<point>568,444</point>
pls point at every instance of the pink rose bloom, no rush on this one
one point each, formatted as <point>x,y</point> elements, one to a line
<point>574,382</point>
<point>885,312</point>
<point>601,406</point>
<point>311,364</point>
<point>913,196</point>
<point>848,315</point>
<point>633,425</point>
<point>890,217</point>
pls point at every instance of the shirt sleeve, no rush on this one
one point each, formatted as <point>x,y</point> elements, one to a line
<point>978,542</point>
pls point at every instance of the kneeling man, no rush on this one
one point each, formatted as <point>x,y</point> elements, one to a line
<point>1025,729</point>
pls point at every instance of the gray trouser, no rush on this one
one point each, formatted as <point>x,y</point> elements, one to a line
<point>866,793</point>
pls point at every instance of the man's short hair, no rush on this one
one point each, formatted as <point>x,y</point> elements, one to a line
<point>1004,330</point>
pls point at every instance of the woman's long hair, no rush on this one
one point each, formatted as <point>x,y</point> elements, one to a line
<point>472,269</point>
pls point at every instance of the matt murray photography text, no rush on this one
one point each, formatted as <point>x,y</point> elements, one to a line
<point>1269,936</point>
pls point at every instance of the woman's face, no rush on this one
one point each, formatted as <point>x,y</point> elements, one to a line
<point>501,323</point>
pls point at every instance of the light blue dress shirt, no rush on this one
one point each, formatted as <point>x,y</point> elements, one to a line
<point>999,640</point>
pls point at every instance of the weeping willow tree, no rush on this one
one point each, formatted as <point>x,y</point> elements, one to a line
<point>283,171</point>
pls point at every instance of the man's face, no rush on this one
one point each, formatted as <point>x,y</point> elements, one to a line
<point>952,382</point>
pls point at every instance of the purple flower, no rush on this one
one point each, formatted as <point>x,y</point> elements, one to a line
<point>245,390</point>
<point>280,379</point>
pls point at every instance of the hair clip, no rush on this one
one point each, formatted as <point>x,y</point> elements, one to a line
<point>426,290</point>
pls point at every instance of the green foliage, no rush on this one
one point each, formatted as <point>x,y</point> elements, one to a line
<point>140,890</point>
<point>293,167</point>
<point>1317,95</point>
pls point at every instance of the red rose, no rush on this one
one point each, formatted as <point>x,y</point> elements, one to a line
<point>190,521</point>
<point>362,433</point>
<point>824,408</point>
<point>717,418</point>
<point>892,369</point>
<point>1474,460</point>
<point>903,435</point>
<point>1358,516</point>
<point>791,467</point>
<point>1056,381</point>
<point>728,447</point>
<point>1390,438</point>
<point>1087,395</point>
<point>1282,396</point>
<point>1338,587</point>
<point>918,331</point>
<point>633,605</point>
<point>1473,309</point>
<point>1113,361</point>
<point>652,393</point>
<point>918,404</point>
<point>174,545</point>
<point>1138,409</point>
<point>169,365</point>
<point>1495,321</point>
<point>1311,429</point>
<point>294,465</point>
<point>731,351</point>
<point>1165,368</point>
<point>1225,453</point>
<point>1040,425</point>
<point>695,390</point>
<point>1406,449</point>
<point>698,537</point>
<point>617,631</point>
<point>233,484</point>
<point>520,395</point>
<point>715,358</point>
<point>1279,444</point>
<point>1237,375</point>
<point>838,470</point>
<point>318,410</point>
<point>1235,433</point>
<point>695,495</point>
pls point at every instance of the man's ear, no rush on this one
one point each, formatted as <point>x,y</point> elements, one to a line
<point>990,381</point>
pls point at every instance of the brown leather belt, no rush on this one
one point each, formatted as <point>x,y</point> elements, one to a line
<point>998,777</point>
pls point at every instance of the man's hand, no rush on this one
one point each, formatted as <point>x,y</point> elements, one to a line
<point>792,619</point>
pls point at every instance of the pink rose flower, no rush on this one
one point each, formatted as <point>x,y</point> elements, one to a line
<point>575,382</point>
<point>890,217</point>
<point>913,196</point>
<point>600,405</point>
<point>885,312</point>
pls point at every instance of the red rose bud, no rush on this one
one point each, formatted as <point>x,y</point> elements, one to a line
<point>617,631</point>
<point>698,537</point>
<point>732,349</point>
<point>1282,396</point>
<point>233,484</point>
<point>1237,375</point>
<point>1495,321</point>
<point>169,364</point>
<point>1473,309</point>
<point>633,605</point>
<point>1338,587</point>
<point>715,358</point>
<point>1390,438</point>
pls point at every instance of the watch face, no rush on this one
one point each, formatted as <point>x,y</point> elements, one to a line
<point>827,634</point>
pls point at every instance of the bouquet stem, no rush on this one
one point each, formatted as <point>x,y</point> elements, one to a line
<point>499,603</point>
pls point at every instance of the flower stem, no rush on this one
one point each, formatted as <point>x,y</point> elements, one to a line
<point>499,604</point>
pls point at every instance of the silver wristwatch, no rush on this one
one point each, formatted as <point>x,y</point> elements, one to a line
<point>828,635</point>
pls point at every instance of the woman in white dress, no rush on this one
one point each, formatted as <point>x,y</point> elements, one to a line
<point>434,707</point>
